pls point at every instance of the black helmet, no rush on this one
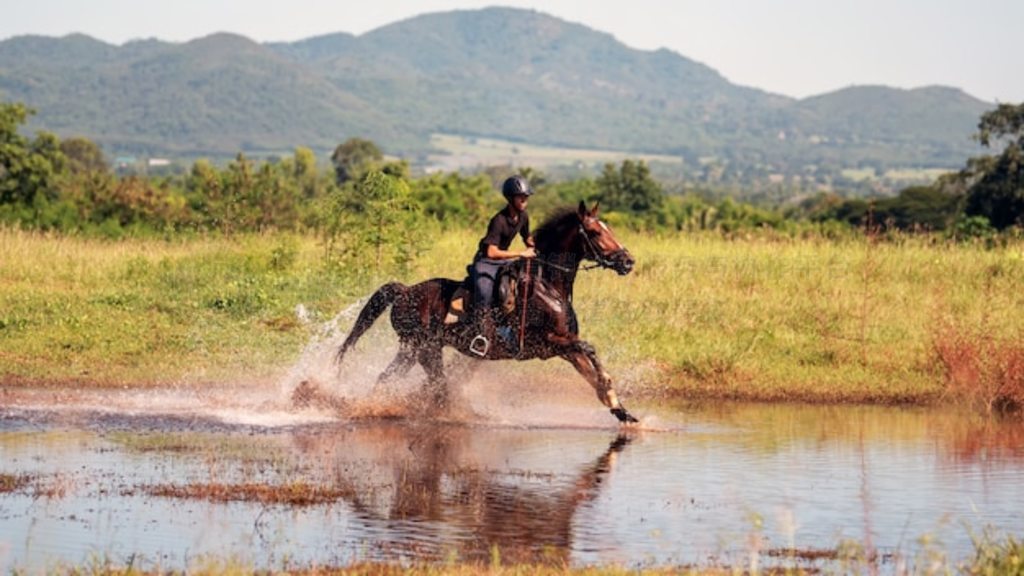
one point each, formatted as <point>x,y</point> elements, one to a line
<point>516,186</point>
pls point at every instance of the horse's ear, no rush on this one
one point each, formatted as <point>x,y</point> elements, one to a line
<point>593,211</point>
<point>582,210</point>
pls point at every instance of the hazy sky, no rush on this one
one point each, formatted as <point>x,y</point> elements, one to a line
<point>793,47</point>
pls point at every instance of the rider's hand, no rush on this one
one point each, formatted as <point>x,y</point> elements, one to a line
<point>528,253</point>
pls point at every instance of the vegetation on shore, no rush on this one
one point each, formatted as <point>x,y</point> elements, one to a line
<point>993,555</point>
<point>764,317</point>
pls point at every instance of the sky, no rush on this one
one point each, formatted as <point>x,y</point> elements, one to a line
<point>796,48</point>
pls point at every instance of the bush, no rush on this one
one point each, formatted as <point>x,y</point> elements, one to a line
<point>984,370</point>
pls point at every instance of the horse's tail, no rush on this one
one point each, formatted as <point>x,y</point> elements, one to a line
<point>384,296</point>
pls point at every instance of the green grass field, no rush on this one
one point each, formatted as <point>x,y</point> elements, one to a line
<point>762,318</point>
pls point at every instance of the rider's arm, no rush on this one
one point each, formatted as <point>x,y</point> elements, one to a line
<point>495,253</point>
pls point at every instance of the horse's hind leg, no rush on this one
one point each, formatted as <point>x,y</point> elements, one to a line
<point>437,384</point>
<point>583,357</point>
<point>399,366</point>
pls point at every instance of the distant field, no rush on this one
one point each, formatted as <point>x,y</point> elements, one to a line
<point>896,175</point>
<point>463,152</point>
<point>916,174</point>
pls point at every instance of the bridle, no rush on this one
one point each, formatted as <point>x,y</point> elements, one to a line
<point>589,250</point>
<point>600,260</point>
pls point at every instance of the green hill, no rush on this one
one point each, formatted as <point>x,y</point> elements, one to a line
<point>503,73</point>
<point>214,95</point>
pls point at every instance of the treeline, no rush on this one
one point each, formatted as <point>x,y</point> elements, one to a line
<point>366,202</point>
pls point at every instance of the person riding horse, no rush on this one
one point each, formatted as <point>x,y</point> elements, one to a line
<point>493,254</point>
<point>548,325</point>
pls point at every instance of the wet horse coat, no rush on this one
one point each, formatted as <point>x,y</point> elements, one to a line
<point>418,312</point>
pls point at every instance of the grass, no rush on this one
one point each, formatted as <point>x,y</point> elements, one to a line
<point>297,493</point>
<point>154,312</point>
<point>761,317</point>
<point>782,319</point>
<point>13,482</point>
<point>993,555</point>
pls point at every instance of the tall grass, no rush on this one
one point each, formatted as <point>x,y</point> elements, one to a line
<point>810,319</point>
<point>762,317</point>
<point>149,312</point>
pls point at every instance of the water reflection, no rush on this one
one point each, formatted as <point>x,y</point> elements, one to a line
<point>724,483</point>
<point>466,491</point>
<point>956,437</point>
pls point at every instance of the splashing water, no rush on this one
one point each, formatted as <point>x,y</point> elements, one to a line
<point>502,394</point>
<point>317,358</point>
<point>515,394</point>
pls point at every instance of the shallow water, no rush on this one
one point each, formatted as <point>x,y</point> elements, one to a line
<point>696,485</point>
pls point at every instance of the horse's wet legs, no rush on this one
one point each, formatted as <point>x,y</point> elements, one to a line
<point>399,366</point>
<point>583,357</point>
<point>437,384</point>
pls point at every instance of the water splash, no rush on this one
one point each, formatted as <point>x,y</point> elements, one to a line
<point>505,394</point>
<point>316,362</point>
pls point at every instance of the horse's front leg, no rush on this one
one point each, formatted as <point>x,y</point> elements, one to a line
<point>558,316</point>
<point>432,361</point>
<point>583,357</point>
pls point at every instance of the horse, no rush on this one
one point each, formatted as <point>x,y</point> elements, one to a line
<point>422,314</point>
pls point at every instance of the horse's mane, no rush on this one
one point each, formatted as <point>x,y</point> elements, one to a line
<point>555,227</point>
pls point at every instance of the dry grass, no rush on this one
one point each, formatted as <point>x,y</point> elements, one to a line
<point>13,482</point>
<point>981,369</point>
<point>758,317</point>
<point>294,494</point>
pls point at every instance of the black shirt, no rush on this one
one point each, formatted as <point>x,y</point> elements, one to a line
<point>503,229</point>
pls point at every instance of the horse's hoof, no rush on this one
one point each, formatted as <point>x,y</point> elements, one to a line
<point>624,416</point>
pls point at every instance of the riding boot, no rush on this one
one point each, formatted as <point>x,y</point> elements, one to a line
<point>483,341</point>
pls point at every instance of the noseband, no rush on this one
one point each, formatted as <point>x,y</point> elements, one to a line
<point>601,261</point>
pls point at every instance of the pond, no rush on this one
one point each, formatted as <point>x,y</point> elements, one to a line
<point>169,478</point>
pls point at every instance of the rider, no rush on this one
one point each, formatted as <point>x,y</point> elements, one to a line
<point>493,253</point>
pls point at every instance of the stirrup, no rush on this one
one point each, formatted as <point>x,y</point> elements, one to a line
<point>480,345</point>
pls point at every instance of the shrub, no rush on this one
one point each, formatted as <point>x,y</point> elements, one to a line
<point>982,369</point>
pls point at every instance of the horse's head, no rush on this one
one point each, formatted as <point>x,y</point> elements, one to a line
<point>600,244</point>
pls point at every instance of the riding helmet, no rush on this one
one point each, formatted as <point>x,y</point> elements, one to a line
<point>516,186</point>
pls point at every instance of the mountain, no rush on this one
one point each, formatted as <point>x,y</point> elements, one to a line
<point>522,75</point>
<point>504,73</point>
<point>214,95</point>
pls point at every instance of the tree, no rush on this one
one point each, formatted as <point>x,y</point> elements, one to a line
<point>354,158</point>
<point>304,163</point>
<point>83,156</point>
<point>455,200</point>
<point>996,184</point>
<point>28,169</point>
<point>630,188</point>
<point>375,223</point>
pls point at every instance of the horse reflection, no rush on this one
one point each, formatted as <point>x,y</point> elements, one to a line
<point>432,492</point>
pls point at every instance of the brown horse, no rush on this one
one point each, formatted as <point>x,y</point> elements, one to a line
<point>422,314</point>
